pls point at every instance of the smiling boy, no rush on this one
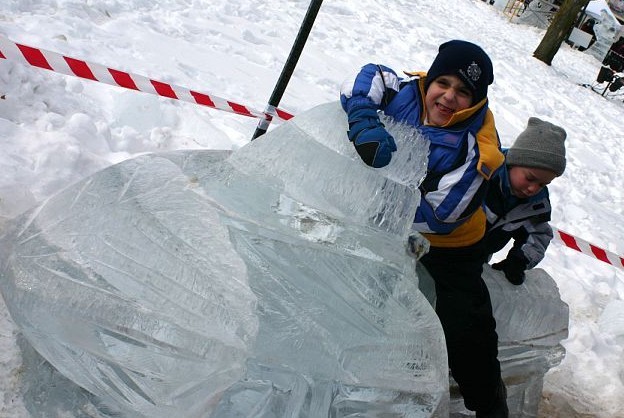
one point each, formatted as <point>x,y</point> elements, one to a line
<point>448,104</point>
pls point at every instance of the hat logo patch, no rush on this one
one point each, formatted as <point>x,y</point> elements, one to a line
<point>474,71</point>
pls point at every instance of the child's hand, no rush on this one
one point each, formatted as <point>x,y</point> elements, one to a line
<point>371,140</point>
<point>513,267</point>
<point>375,146</point>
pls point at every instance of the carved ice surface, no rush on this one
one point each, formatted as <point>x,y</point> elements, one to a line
<point>268,282</point>
<point>531,322</point>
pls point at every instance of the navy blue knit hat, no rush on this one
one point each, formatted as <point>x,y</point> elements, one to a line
<point>467,61</point>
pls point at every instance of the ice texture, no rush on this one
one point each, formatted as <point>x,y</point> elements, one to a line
<point>531,322</point>
<point>268,282</point>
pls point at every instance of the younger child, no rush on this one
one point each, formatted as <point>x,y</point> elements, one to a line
<point>517,203</point>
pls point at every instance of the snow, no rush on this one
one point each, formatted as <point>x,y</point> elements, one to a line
<point>57,129</point>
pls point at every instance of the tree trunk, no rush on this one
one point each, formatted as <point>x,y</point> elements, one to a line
<point>559,29</point>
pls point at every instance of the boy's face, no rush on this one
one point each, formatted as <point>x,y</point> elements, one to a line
<point>445,96</point>
<point>528,181</point>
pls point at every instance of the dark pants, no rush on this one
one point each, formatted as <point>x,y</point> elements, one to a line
<point>465,311</point>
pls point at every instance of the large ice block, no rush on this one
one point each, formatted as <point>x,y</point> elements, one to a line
<point>531,322</point>
<point>269,282</point>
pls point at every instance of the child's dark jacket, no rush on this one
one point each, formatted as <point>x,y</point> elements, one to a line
<point>526,221</point>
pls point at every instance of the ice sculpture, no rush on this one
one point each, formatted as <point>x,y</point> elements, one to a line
<point>531,322</point>
<point>537,13</point>
<point>270,282</point>
<point>606,30</point>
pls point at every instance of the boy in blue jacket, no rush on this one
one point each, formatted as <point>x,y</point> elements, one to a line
<point>517,204</point>
<point>449,106</point>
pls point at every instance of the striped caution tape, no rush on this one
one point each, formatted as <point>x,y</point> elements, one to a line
<point>74,67</point>
<point>587,248</point>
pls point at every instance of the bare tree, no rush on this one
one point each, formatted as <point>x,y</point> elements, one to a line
<point>559,29</point>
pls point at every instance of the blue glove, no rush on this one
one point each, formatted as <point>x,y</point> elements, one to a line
<point>371,140</point>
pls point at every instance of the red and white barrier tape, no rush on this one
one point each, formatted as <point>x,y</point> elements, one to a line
<point>74,67</point>
<point>587,248</point>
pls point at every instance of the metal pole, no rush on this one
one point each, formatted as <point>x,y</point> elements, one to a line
<point>289,67</point>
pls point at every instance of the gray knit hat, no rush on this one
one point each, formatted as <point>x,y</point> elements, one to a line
<point>541,145</point>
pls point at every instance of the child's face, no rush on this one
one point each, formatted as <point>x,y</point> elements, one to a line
<point>445,96</point>
<point>528,181</point>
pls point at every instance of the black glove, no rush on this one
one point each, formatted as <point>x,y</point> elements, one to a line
<point>371,140</point>
<point>513,267</point>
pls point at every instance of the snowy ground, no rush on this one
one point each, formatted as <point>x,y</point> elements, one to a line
<point>57,129</point>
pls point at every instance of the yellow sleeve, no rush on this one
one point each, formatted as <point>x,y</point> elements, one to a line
<point>490,155</point>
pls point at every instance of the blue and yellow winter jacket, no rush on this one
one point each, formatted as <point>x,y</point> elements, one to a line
<point>463,154</point>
